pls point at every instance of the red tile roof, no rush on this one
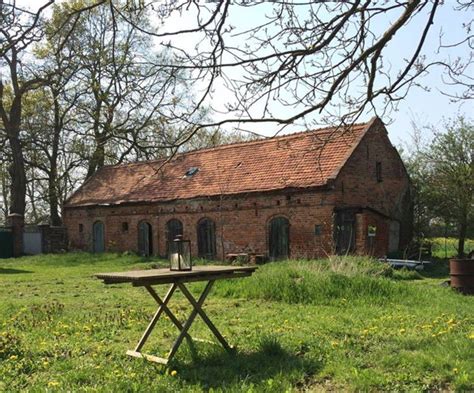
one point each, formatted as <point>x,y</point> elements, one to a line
<point>301,160</point>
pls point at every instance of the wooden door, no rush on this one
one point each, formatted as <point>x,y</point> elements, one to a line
<point>206,239</point>
<point>279,238</point>
<point>344,232</point>
<point>174,228</point>
<point>98,237</point>
<point>145,239</point>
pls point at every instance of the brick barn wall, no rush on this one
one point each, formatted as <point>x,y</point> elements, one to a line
<point>357,185</point>
<point>241,223</point>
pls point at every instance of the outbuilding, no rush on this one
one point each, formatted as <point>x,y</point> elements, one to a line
<point>304,195</point>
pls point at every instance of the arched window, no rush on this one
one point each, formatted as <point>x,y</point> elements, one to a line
<point>98,237</point>
<point>279,238</point>
<point>206,235</point>
<point>145,239</point>
<point>174,228</point>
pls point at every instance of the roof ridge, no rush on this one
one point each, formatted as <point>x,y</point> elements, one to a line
<point>241,143</point>
<point>266,139</point>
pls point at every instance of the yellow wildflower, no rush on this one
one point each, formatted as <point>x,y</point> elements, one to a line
<point>402,331</point>
<point>173,373</point>
<point>53,383</point>
<point>13,357</point>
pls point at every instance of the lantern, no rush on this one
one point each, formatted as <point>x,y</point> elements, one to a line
<point>180,254</point>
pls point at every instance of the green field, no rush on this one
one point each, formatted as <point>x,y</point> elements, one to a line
<point>448,247</point>
<point>340,324</point>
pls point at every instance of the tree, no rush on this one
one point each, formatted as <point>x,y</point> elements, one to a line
<point>305,55</point>
<point>442,173</point>
<point>450,160</point>
<point>122,94</point>
<point>19,30</point>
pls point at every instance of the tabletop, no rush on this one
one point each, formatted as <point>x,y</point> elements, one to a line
<point>165,275</point>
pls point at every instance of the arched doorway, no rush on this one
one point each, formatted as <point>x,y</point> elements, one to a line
<point>174,228</point>
<point>279,238</point>
<point>145,239</point>
<point>206,234</point>
<point>98,237</point>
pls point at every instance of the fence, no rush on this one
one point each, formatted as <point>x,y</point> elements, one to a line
<point>34,239</point>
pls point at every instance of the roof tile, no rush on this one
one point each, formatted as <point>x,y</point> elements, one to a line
<point>306,159</point>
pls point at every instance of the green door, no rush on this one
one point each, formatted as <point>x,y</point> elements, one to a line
<point>98,237</point>
<point>6,244</point>
<point>279,238</point>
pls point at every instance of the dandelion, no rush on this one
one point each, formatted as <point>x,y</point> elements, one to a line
<point>173,373</point>
<point>53,383</point>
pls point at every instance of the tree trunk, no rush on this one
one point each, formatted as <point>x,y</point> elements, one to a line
<point>97,160</point>
<point>53,190</point>
<point>17,168</point>
<point>55,218</point>
<point>462,237</point>
<point>5,194</point>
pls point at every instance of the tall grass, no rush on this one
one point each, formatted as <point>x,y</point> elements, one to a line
<point>322,282</point>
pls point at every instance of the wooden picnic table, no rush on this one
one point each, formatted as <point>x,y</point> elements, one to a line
<point>177,279</point>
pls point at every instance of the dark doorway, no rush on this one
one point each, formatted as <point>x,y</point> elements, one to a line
<point>6,243</point>
<point>279,238</point>
<point>145,239</point>
<point>174,228</point>
<point>98,237</point>
<point>344,231</point>
<point>206,238</point>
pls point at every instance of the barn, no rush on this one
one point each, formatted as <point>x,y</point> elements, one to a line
<point>303,195</point>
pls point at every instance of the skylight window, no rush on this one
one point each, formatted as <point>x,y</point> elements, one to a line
<point>192,171</point>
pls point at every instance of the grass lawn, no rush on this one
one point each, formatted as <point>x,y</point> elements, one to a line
<point>344,324</point>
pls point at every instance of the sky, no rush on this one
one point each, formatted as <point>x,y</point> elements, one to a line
<point>420,106</point>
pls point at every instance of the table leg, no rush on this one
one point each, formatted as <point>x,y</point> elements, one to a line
<point>202,314</point>
<point>163,307</point>
<point>196,306</point>
<point>173,319</point>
